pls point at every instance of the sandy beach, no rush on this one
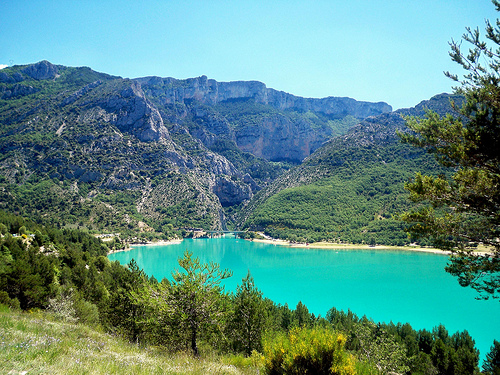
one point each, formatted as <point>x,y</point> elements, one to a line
<point>337,246</point>
<point>155,243</point>
<point>314,245</point>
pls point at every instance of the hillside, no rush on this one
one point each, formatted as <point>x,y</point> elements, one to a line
<point>104,152</point>
<point>350,189</point>
<point>39,343</point>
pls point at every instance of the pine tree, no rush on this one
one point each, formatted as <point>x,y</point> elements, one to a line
<point>196,296</point>
<point>462,210</point>
<point>491,365</point>
<point>249,317</point>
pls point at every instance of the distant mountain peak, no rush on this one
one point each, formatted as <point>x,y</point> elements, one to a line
<point>41,70</point>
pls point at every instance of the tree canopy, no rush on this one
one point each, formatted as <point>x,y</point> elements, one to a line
<point>461,210</point>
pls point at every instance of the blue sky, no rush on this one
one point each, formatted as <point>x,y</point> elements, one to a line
<point>373,50</point>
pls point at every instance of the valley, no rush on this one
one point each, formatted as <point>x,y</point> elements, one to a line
<point>158,157</point>
<point>85,154</point>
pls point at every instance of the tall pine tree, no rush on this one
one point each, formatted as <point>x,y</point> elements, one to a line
<point>462,211</point>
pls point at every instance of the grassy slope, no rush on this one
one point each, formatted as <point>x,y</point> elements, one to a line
<point>35,343</point>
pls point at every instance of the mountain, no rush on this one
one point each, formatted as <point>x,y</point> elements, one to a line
<point>100,151</point>
<point>351,188</point>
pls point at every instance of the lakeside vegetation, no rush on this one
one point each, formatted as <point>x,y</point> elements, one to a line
<point>62,279</point>
<point>353,199</point>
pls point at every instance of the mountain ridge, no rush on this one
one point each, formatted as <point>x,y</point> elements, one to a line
<point>112,152</point>
<point>210,91</point>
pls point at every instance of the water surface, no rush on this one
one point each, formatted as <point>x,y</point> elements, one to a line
<point>398,286</point>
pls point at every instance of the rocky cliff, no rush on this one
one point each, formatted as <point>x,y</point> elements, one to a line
<point>211,92</point>
<point>265,122</point>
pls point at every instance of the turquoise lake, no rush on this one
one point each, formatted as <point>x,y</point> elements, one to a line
<point>398,286</point>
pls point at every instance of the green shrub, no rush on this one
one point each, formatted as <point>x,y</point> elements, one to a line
<point>7,301</point>
<point>87,312</point>
<point>308,350</point>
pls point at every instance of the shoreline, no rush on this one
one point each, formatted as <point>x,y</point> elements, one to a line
<point>313,245</point>
<point>337,246</point>
<point>130,246</point>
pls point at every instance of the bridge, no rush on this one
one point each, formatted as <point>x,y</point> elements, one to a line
<point>211,233</point>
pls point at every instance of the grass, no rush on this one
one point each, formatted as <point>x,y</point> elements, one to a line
<point>36,343</point>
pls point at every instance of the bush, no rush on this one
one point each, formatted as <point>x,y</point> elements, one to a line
<point>308,350</point>
<point>7,301</point>
<point>87,312</point>
<point>62,307</point>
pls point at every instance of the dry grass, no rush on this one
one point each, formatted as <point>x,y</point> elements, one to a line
<point>35,343</point>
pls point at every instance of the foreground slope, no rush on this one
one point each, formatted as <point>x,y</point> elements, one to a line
<point>106,152</point>
<point>38,343</point>
<point>349,189</point>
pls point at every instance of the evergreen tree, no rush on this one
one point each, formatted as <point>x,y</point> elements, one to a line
<point>491,365</point>
<point>249,317</point>
<point>462,211</point>
<point>196,296</point>
<point>302,315</point>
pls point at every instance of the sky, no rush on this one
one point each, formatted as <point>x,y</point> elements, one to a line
<point>371,50</point>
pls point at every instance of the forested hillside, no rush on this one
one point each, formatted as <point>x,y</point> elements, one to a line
<point>351,189</point>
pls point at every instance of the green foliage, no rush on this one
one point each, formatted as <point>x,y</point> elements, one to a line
<point>462,211</point>
<point>191,305</point>
<point>400,348</point>
<point>378,347</point>
<point>65,271</point>
<point>491,365</point>
<point>196,295</point>
<point>354,203</point>
<point>248,321</point>
<point>306,350</point>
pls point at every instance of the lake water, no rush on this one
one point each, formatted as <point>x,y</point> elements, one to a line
<point>398,286</point>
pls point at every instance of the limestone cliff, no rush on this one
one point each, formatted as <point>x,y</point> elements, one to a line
<point>267,123</point>
<point>211,92</point>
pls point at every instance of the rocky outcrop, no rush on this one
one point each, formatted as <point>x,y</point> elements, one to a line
<point>17,91</point>
<point>231,192</point>
<point>11,78</point>
<point>219,165</point>
<point>41,70</point>
<point>211,92</point>
<point>133,113</point>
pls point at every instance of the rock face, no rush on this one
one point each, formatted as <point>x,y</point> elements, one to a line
<point>137,115</point>
<point>211,92</point>
<point>231,192</point>
<point>277,138</point>
<point>130,111</point>
<point>41,70</point>
<point>269,124</point>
